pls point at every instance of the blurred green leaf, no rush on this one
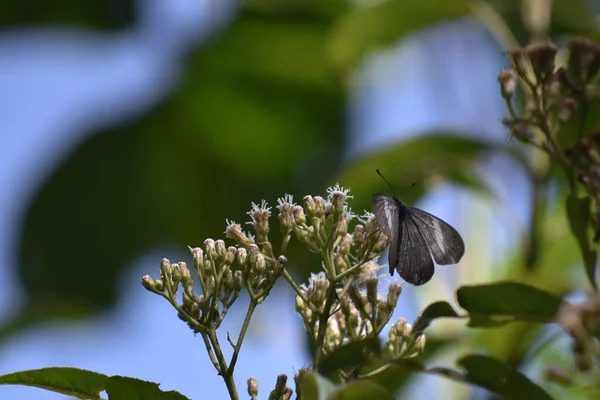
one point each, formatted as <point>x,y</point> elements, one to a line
<point>349,355</point>
<point>365,28</point>
<point>578,212</point>
<point>85,384</point>
<point>315,387</point>
<point>361,390</point>
<point>69,381</point>
<point>124,388</point>
<point>257,115</point>
<point>500,303</point>
<point>419,160</point>
<point>485,372</point>
<point>439,309</point>
<point>499,378</point>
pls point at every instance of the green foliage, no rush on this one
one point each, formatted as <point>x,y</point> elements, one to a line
<point>88,385</point>
<point>366,28</point>
<point>578,212</point>
<point>499,303</point>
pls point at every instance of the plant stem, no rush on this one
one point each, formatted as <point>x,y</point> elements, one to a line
<point>297,289</point>
<point>224,371</point>
<point>323,325</point>
<point>238,345</point>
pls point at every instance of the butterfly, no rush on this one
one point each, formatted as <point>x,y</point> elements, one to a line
<point>415,236</point>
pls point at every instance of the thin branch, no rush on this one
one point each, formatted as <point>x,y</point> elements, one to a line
<point>238,346</point>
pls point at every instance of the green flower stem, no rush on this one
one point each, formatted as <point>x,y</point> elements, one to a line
<point>325,313</point>
<point>223,369</point>
<point>238,345</point>
<point>297,289</point>
<point>210,352</point>
<point>350,270</point>
<point>323,325</point>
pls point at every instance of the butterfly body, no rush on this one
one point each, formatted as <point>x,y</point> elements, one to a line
<point>415,237</point>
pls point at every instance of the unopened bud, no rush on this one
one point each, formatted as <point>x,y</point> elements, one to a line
<point>299,217</point>
<point>230,255</point>
<point>345,245</point>
<point>261,264</point>
<point>197,257</point>
<point>419,345</point>
<point>241,255</point>
<point>508,83</point>
<point>148,282</point>
<point>158,285</point>
<point>252,387</point>
<point>371,285</point>
<point>220,250</point>
<point>394,291</point>
<point>359,235</point>
<point>175,273</point>
<point>209,245</point>
<point>339,263</point>
<point>165,269</point>
<point>319,207</point>
<point>238,280</point>
<point>403,328</point>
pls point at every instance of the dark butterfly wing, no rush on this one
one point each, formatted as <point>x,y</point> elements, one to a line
<point>410,255</point>
<point>386,212</point>
<point>444,242</point>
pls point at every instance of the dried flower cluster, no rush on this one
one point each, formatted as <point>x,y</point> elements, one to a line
<point>557,104</point>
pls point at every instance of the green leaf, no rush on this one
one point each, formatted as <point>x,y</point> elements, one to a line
<point>124,388</point>
<point>439,309</point>
<point>348,355</point>
<point>499,378</point>
<point>365,28</point>
<point>578,212</point>
<point>418,160</point>
<point>68,381</point>
<point>500,303</point>
<point>361,390</point>
<point>485,372</point>
<point>314,386</point>
<point>85,384</point>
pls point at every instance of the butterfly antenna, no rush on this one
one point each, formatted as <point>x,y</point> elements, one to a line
<point>386,181</point>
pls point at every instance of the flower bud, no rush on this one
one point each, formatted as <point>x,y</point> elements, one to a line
<point>252,387</point>
<point>319,207</point>
<point>209,245</point>
<point>165,269</point>
<point>220,250</point>
<point>260,220</point>
<point>381,244</point>
<point>197,257</point>
<point>345,245</point>
<point>158,285</point>
<point>403,328</point>
<point>371,227</point>
<point>508,83</point>
<point>240,255</point>
<point>419,345</point>
<point>310,206</point>
<point>371,285</point>
<point>261,264</point>
<point>230,255</point>
<point>394,291</point>
<point>359,235</point>
<point>238,280</point>
<point>175,273</point>
<point>252,255</point>
<point>148,282</point>
<point>299,217</point>
<point>339,263</point>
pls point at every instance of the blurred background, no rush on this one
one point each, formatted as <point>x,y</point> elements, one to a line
<point>131,129</point>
